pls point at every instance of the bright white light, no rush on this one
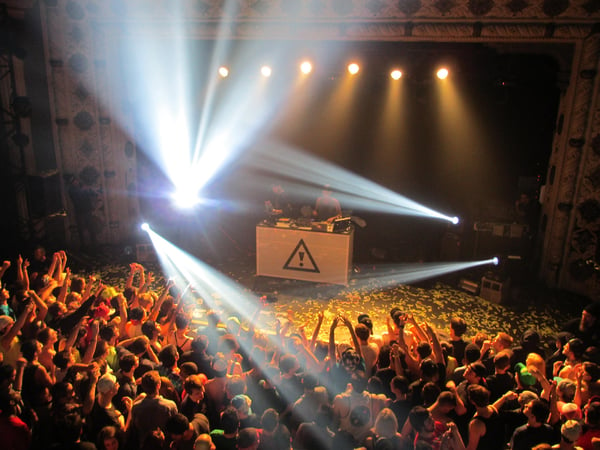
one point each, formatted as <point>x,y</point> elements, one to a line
<point>266,71</point>
<point>223,71</point>
<point>442,73</point>
<point>396,74</point>
<point>353,68</point>
<point>145,226</point>
<point>495,261</point>
<point>455,220</point>
<point>185,199</point>
<point>306,67</point>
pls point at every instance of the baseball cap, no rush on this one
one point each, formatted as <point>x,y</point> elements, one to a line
<point>527,379</point>
<point>570,430</point>
<point>106,383</point>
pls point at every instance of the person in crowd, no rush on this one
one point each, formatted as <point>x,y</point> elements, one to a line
<point>152,411</point>
<point>536,430</point>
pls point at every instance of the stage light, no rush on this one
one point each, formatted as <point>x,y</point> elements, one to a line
<point>442,73</point>
<point>223,72</point>
<point>353,68</point>
<point>455,220</point>
<point>185,199</point>
<point>145,226</point>
<point>396,74</point>
<point>495,261</point>
<point>266,71</point>
<point>306,67</point>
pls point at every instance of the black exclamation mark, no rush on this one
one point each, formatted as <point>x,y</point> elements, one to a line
<point>301,254</point>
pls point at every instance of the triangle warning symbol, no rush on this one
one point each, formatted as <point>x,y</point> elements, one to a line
<point>301,259</point>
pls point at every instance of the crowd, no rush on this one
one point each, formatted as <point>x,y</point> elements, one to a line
<point>85,365</point>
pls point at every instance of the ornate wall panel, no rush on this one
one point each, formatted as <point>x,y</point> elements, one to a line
<point>81,36</point>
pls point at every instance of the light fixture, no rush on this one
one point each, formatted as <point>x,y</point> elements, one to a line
<point>396,74</point>
<point>223,72</point>
<point>442,73</point>
<point>266,71</point>
<point>306,67</point>
<point>353,68</point>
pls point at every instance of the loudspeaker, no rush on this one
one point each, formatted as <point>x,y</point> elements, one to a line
<point>494,290</point>
<point>45,198</point>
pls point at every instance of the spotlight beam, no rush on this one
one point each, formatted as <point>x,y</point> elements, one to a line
<point>352,190</point>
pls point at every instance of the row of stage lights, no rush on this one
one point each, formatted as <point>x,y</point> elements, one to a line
<point>306,68</point>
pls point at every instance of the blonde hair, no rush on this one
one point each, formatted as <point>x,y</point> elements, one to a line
<point>386,424</point>
<point>535,360</point>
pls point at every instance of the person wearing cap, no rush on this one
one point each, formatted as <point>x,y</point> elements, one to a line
<point>570,431</point>
<point>369,350</point>
<point>587,327</point>
<point>536,430</point>
<point>104,412</point>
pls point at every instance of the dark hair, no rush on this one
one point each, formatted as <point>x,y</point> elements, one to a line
<point>400,383</point>
<point>540,410</point>
<point>61,359</point>
<point>200,343</point>
<point>168,356</point>
<point>29,348</point>
<point>269,419</point>
<point>592,414</point>
<point>151,382</point>
<point>287,362</point>
<point>478,395</point>
<point>430,393</point>
<point>247,437</point>
<point>181,321</point>
<point>417,417</point>
<point>107,332</point>
<point>458,325</point>
<point>230,420</point>
<point>193,382</point>
<point>43,335</point>
<point>424,349</point>
<point>149,328</point>
<point>127,362</point>
<point>472,353</point>
<point>136,313</point>
<point>362,331</point>
<point>502,360</point>
<point>177,424</point>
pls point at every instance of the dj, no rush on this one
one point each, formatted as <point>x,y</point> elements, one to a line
<point>278,204</point>
<point>327,207</point>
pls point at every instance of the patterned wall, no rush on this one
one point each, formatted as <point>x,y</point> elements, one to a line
<point>81,36</point>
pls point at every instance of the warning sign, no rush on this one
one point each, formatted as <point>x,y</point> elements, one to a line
<point>301,259</point>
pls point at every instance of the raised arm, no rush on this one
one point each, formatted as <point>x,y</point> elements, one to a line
<point>332,355</point>
<point>4,268</point>
<point>16,327</point>
<point>436,347</point>
<point>42,308</point>
<point>353,335</point>
<point>165,293</point>
<point>91,348</point>
<point>315,335</point>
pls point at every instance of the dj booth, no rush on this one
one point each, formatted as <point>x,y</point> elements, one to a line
<point>321,252</point>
